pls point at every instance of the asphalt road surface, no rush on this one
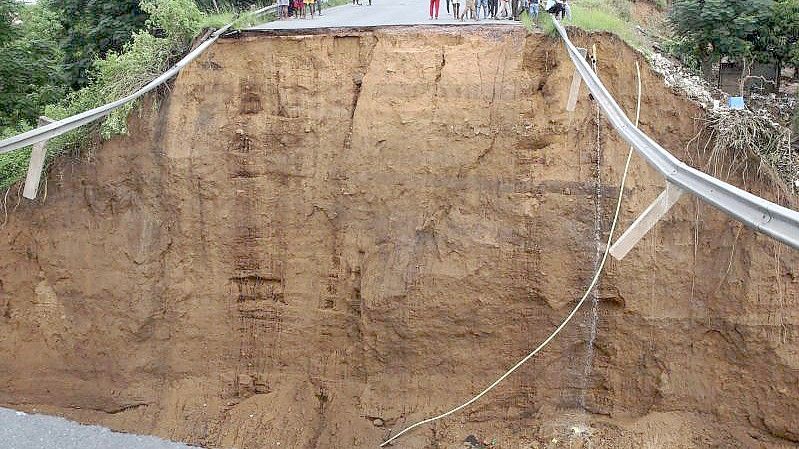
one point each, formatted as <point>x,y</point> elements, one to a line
<point>25,431</point>
<point>381,12</point>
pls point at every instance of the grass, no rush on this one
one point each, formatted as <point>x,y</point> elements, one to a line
<point>218,20</point>
<point>247,19</point>
<point>612,16</point>
<point>598,19</point>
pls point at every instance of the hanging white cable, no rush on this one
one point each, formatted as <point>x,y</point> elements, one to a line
<point>574,310</point>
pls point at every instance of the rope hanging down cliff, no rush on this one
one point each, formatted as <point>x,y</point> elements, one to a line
<point>571,314</point>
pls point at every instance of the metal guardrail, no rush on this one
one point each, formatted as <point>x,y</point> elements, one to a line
<point>62,126</point>
<point>762,215</point>
<point>771,219</point>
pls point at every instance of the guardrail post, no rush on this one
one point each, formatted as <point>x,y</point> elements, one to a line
<point>646,221</point>
<point>36,164</point>
<point>571,105</point>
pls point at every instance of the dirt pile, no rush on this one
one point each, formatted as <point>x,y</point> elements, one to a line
<point>316,239</point>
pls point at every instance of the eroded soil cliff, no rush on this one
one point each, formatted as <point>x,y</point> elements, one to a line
<point>315,239</point>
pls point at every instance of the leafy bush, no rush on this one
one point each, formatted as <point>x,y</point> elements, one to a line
<point>142,59</point>
<point>90,29</point>
<point>749,31</point>
<point>169,29</point>
<point>180,20</point>
<point>14,165</point>
<point>682,49</point>
<point>31,75</point>
<point>779,41</point>
<point>223,5</point>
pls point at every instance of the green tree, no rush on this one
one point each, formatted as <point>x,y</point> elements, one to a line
<point>718,28</point>
<point>92,28</point>
<point>9,10</point>
<point>30,75</point>
<point>779,41</point>
<point>166,36</point>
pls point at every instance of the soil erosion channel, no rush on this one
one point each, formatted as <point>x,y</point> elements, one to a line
<point>313,239</point>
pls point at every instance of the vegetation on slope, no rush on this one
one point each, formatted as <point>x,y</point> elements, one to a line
<point>754,30</point>
<point>69,56</point>
<point>613,16</point>
<point>32,74</point>
<point>701,33</point>
<point>101,54</point>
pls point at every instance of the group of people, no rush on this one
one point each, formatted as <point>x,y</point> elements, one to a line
<point>500,9</point>
<point>493,9</point>
<point>298,9</point>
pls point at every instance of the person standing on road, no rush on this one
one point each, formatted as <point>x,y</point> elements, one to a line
<point>469,9</point>
<point>456,6</point>
<point>311,6</point>
<point>514,8</point>
<point>436,4</point>
<point>504,10</point>
<point>282,9</point>
<point>492,8</point>
<point>534,7</point>
<point>482,4</point>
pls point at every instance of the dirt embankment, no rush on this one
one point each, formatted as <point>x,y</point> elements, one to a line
<point>316,239</point>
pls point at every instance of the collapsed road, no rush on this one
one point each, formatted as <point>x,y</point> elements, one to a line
<point>319,238</point>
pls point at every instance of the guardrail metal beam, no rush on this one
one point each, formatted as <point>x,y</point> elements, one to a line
<point>762,215</point>
<point>771,219</point>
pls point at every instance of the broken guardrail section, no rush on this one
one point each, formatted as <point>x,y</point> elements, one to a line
<point>757,213</point>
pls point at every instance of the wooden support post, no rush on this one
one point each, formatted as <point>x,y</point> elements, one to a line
<point>646,221</point>
<point>571,105</point>
<point>36,164</point>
